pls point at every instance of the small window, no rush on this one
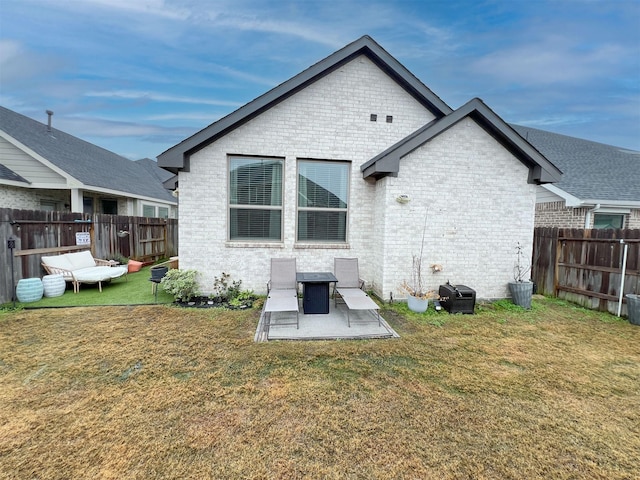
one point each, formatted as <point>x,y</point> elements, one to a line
<point>110,207</point>
<point>255,199</point>
<point>602,221</point>
<point>163,212</point>
<point>148,211</point>
<point>323,190</point>
<point>87,205</point>
<point>48,205</point>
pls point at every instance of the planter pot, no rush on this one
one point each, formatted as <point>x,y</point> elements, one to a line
<point>29,290</point>
<point>418,305</point>
<point>521,293</point>
<point>633,308</point>
<point>158,272</point>
<point>134,266</point>
<point>54,285</point>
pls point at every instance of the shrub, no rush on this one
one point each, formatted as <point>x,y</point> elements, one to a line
<point>224,290</point>
<point>182,284</point>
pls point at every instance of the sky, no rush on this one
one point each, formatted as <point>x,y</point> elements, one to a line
<point>138,76</point>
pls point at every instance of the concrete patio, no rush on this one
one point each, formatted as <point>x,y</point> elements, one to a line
<point>331,326</point>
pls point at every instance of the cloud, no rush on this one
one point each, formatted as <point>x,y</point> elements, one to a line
<point>18,64</point>
<point>553,60</point>
<point>159,97</point>
<point>84,127</point>
<point>158,8</point>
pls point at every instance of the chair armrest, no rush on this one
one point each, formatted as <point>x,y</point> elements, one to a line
<point>103,263</point>
<point>67,274</point>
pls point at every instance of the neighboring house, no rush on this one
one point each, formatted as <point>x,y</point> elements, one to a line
<point>42,168</point>
<point>600,185</point>
<point>354,157</point>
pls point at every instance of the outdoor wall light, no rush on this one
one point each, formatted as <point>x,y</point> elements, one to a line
<point>402,199</point>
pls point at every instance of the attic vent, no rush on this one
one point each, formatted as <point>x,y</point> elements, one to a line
<point>389,118</point>
<point>374,117</point>
<point>49,114</point>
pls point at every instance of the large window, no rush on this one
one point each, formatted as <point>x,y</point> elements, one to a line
<point>255,199</point>
<point>323,191</point>
<point>601,220</point>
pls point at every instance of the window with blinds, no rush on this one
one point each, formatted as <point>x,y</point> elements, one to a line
<point>323,191</point>
<point>255,199</point>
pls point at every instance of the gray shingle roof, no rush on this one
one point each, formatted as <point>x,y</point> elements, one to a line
<point>591,170</point>
<point>88,163</point>
<point>7,174</point>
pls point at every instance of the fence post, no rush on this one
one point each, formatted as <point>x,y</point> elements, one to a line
<point>624,272</point>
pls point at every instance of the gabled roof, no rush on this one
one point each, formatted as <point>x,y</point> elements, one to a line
<point>592,171</point>
<point>91,165</point>
<point>541,170</point>
<point>7,174</point>
<point>177,157</point>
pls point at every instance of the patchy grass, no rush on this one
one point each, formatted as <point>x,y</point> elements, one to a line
<point>162,392</point>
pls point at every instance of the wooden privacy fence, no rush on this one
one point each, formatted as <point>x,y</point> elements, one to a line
<point>37,233</point>
<point>586,266</point>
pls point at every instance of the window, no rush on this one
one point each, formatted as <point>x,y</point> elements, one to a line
<point>87,205</point>
<point>110,207</point>
<point>148,211</point>
<point>48,205</point>
<point>323,190</point>
<point>255,199</point>
<point>601,220</point>
<point>163,212</point>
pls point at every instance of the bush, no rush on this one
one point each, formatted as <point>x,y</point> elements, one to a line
<point>182,284</point>
<point>225,290</point>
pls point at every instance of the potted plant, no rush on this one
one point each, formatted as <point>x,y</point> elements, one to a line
<point>522,287</point>
<point>418,299</point>
<point>633,308</point>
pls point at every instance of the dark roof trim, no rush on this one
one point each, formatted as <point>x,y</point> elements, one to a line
<point>177,157</point>
<point>541,170</point>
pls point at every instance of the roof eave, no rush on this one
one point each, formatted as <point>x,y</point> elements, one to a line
<point>541,170</point>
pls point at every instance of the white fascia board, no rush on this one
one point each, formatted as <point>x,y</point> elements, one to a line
<point>38,157</point>
<point>570,200</point>
<point>89,188</point>
<point>619,204</point>
<point>14,183</point>
<point>575,202</point>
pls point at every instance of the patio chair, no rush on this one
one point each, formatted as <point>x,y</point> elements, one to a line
<point>349,288</point>
<point>282,289</point>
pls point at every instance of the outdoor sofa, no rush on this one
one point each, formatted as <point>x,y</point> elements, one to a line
<point>81,267</point>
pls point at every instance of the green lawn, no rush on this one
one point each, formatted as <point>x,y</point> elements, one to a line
<point>134,289</point>
<point>159,391</point>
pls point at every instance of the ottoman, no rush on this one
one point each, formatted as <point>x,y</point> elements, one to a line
<point>29,290</point>
<point>54,285</point>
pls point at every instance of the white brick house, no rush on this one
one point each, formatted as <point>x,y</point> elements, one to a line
<point>314,169</point>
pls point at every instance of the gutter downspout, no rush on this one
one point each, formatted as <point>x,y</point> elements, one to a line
<point>587,217</point>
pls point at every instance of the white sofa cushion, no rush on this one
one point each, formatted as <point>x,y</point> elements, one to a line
<point>80,259</point>
<point>97,274</point>
<point>57,261</point>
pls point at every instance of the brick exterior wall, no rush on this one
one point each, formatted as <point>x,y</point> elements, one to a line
<point>557,214</point>
<point>29,198</point>
<point>480,204</point>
